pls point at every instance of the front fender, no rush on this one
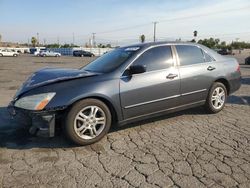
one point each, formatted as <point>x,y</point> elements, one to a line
<point>69,92</point>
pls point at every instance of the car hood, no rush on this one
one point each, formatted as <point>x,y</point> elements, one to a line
<point>52,75</point>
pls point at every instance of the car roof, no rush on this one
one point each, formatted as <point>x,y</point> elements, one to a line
<point>148,44</point>
<point>211,52</point>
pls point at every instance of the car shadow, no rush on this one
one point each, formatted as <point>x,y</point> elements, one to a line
<point>15,135</point>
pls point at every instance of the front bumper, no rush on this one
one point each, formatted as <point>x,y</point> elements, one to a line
<point>41,123</point>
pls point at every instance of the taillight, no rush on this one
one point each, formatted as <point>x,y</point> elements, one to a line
<point>238,68</point>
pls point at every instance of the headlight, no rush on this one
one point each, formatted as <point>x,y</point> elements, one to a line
<point>34,102</point>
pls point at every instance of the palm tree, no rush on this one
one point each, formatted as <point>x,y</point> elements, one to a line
<point>33,41</point>
<point>142,38</point>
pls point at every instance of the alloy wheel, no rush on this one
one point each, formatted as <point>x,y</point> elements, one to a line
<point>218,97</point>
<point>89,122</point>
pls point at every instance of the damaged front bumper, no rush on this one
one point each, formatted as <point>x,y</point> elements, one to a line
<point>42,123</point>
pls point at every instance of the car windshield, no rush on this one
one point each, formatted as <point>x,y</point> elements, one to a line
<point>111,60</point>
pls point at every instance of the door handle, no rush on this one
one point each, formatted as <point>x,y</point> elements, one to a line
<point>171,76</point>
<point>210,68</point>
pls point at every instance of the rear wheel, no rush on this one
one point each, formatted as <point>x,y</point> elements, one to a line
<point>216,98</point>
<point>1,55</point>
<point>87,121</point>
<point>15,55</point>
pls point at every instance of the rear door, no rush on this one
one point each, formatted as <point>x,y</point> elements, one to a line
<point>197,71</point>
<point>155,90</point>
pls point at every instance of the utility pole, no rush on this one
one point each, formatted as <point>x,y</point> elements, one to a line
<point>73,38</point>
<point>93,39</point>
<point>44,41</point>
<point>0,39</point>
<point>58,40</point>
<point>155,30</point>
<point>37,36</point>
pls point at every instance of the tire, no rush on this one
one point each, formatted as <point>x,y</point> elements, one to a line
<point>85,123</point>
<point>213,98</point>
<point>15,55</point>
<point>57,55</point>
<point>1,55</point>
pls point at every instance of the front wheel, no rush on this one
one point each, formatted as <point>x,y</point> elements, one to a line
<point>87,121</point>
<point>216,98</point>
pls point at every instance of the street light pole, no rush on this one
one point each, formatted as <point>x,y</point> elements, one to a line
<point>155,30</point>
<point>93,39</point>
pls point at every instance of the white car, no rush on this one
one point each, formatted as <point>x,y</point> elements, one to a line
<point>7,52</point>
<point>49,53</point>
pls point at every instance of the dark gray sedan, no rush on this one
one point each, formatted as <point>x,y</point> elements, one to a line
<point>126,85</point>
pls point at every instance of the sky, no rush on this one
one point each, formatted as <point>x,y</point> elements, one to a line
<point>123,21</point>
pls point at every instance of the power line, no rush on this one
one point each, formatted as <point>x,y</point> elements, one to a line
<point>160,21</point>
<point>177,19</point>
<point>203,15</point>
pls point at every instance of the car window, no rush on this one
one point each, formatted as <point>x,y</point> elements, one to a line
<point>156,58</point>
<point>207,57</point>
<point>189,55</point>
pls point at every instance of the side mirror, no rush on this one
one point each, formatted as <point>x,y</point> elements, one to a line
<point>137,69</point>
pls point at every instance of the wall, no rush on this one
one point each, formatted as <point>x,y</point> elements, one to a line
<point>69,51</point>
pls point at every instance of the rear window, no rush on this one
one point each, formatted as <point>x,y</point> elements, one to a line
<point>189,55</point>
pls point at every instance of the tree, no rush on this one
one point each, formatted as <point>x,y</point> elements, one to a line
<point>33,41</point>
<point>142,38</point>
<point>108,46</point>
<point>53,45</point>
<point>211,42</point>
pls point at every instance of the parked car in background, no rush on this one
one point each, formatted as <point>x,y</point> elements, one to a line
<point>82,53</point>
<point>125,85</point>
<point>247,61</point>
<point>45,53</point>
<point>225,52</point>
<point>8,52</point>
<point>36,50</point>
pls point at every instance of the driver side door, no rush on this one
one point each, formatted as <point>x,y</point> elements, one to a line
<point>155,90</point>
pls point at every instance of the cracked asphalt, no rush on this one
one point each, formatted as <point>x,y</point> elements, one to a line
<point>184,149</point>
